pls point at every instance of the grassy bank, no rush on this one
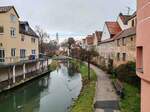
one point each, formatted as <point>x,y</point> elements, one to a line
<point>85,101</point>
<point>131,101</point>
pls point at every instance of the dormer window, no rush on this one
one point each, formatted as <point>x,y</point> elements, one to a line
<point>26,28</point>
<point>12,18</point>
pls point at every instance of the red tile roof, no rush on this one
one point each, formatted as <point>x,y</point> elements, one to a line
<point>113,27</point>
<point>125,33</point>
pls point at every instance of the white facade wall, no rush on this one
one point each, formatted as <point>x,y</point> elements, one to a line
<point>121,24</point>
<point>106,34</point>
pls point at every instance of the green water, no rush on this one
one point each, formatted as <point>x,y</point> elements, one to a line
<point>52,93</point>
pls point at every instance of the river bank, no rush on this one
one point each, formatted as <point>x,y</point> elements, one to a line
<point>84,103</point>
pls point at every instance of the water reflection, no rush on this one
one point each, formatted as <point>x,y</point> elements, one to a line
<point>51,93</point>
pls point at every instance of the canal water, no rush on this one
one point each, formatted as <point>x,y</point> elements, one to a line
<point>53,92</point>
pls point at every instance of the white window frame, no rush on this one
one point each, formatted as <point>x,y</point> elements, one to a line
<point>33,51</point>
<point>13,18</point>
<point>2,58</point>
<point>13,32</point>
<point>13,52</point>
<point>22,53</point>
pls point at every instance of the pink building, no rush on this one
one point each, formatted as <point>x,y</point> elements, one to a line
<point>143,52</point>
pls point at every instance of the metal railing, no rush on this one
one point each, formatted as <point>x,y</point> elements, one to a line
<point>17,59</point>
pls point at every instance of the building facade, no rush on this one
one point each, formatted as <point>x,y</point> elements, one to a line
<point>19,52</point>
<point>142,47</point>
<point>118,41</point>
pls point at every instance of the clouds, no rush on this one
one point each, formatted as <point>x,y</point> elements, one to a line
<point>73,16</point>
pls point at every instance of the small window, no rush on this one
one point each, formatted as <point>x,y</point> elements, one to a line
<point>13,52</point>
<point>2,55</point>
<point>133,23</point>
<point>118,56</point>
<point>123,42</point>
<point>13,32</point>
<point>22,38</point>
<point>118,44</point>
<point>12,18</point>
<point>22,53</point>
<point>131,38</point>
<point>1,29</point>
<point>140,59</point>
<point>124,57</point>
<point>33,52</point>
<point>33,40</point>
<point>26,28</point>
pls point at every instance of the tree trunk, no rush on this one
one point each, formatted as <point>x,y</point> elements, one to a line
<point>89,70</point>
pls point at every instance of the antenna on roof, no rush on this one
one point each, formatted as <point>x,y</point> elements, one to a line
<point>128,10</point>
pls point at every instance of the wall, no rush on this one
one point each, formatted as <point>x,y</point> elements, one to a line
<point>143,51</point>
<point>121,24</point>
<point>129,48</point>
<point>106,34</point>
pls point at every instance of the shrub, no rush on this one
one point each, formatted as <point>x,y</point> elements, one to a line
<point>110,68</point>
<point>127,73</point>
<point>74,67</point>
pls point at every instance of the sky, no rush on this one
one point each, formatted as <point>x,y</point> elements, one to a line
<point>70,18</point>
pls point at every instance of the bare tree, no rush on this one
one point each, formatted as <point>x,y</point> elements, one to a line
<point>42,36</point>
<point>71,41</point>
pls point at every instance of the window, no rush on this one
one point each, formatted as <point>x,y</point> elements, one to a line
<point>133,23</point>
<point>124,57</point>
<point>13,32</point>
<point>123,41</point>
<point>118,43</point>
<point>33,52</point>
<point>22,53</point>
<point>26,28</point>
<point>118,56</point>
<point>140,59</point>
<point>33,40</point>
<point>1,29</point>
<point>2,55</point>
<point>22,38</point>
<point>13,52</point>
<point>131,38</point>
<point>12,18</point>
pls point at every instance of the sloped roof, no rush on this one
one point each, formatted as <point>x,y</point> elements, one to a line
<point>22,29</point>
<point>126,33</point>
<point>132,16</point>
<point>5,9</point>
<point>113,27</point>
<point>122,34</point>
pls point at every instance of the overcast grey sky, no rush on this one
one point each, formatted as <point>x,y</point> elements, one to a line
<point>70,16</point>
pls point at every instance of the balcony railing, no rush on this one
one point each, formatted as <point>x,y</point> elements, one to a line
<point>13,60</point>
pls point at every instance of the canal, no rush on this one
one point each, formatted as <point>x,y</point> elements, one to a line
<point>53,92</point>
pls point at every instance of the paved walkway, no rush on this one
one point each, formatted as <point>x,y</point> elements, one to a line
<point>106,99</point>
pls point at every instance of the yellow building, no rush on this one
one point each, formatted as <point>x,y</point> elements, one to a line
<point>17,40</point>
<point>19,52</point>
